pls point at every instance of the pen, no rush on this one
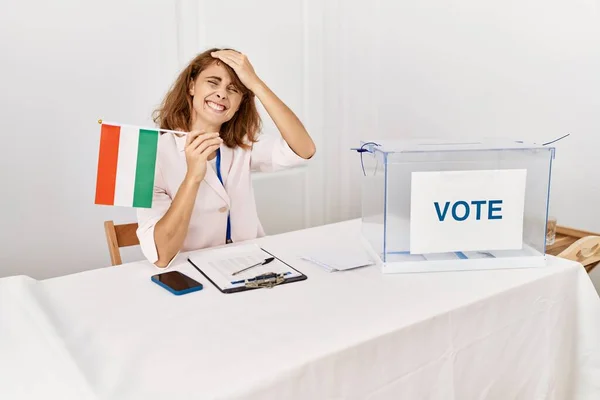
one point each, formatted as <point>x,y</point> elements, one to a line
<point>266,261</point>
<point>253,279</point>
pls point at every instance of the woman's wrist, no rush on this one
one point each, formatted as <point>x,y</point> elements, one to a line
<point>192,180</point>
<point>258,87</point>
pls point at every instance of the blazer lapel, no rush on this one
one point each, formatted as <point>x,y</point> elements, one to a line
<point>212,179</point>
<point>226,162</point>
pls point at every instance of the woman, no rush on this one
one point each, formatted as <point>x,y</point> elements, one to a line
<point>203,192</point>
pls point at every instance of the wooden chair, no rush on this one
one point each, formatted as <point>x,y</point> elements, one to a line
<point>118,236</point>
<point>576,245</point>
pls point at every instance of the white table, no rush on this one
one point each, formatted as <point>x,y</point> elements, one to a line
<point>113,334</point>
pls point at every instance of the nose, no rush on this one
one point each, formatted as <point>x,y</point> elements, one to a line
<point>221,94</point>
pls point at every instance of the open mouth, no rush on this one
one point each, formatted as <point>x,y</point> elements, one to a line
<point>216,107</point>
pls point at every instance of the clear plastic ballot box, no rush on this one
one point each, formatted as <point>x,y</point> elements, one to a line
<point>433,206</point>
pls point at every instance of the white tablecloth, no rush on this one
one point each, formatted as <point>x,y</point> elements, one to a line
<point>113,334</point>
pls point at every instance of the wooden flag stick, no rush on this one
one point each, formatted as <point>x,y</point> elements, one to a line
<point>141,127</point>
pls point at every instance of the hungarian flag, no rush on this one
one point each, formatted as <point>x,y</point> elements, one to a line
<point>126,165</point>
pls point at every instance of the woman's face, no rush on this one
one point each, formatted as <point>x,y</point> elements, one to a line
<point>215,97</point>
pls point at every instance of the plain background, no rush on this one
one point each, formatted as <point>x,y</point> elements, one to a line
<point>351,70</point>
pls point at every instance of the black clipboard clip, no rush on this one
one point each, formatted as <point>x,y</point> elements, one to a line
<point>267,281</point>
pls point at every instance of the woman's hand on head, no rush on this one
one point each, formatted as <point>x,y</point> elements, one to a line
<point>241,65</point>
<point>198,147</point>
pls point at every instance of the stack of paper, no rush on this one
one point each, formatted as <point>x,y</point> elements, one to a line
<point>339,257</point>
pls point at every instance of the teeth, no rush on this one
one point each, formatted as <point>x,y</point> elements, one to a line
<point>215,106</point>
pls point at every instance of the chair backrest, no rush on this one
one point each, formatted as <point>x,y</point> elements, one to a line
<point>119,236</point>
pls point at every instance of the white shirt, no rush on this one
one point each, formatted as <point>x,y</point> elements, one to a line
<point>213,164</point>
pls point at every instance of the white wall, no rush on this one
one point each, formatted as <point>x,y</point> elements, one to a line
<point>523,69</point>
<point>65,64</point>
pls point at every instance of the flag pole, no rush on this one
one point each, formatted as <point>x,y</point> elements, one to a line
<point>142,127</point>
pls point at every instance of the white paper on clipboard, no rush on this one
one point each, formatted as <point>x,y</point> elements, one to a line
<point>220,264</point>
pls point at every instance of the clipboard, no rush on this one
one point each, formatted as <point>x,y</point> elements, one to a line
<point>255,281</point>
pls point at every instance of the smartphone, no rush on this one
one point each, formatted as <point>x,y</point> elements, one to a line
<point>177,282</point>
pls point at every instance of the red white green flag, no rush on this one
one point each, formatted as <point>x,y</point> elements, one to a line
<point>126,165</point>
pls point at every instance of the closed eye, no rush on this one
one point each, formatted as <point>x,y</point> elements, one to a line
<point>234,89</point>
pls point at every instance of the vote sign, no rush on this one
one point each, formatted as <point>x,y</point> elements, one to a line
<point>467,210</point>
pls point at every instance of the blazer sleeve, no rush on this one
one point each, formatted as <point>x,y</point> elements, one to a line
<point>149,217</point>
<point>272,153</point>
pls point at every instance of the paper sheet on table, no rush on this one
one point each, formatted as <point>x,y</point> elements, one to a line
<point>220,264</point>
<point>339,257</point>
